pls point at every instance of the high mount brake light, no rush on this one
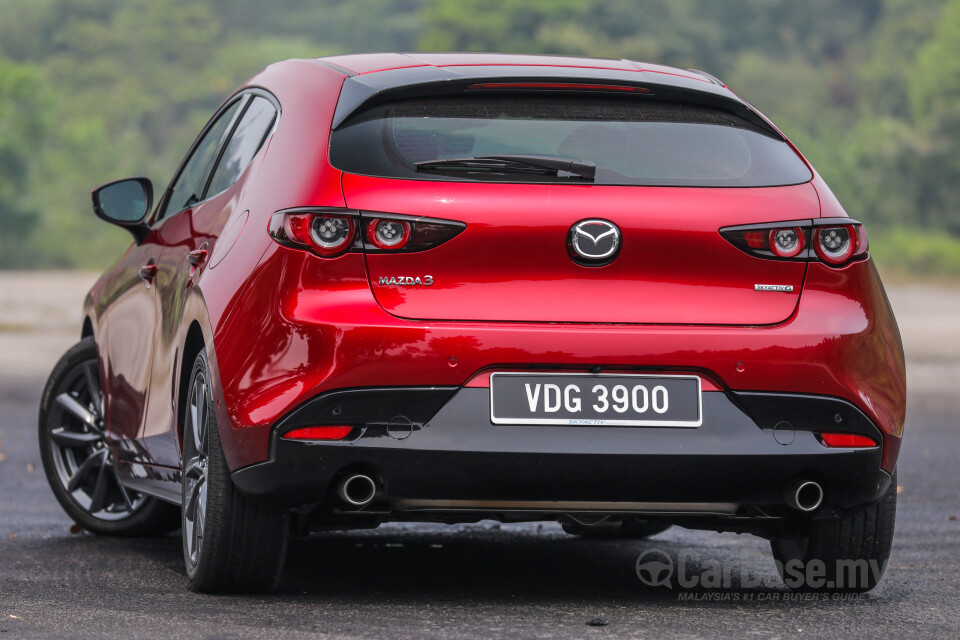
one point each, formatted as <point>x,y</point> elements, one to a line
<point>833,241</point>
<point>330,233</point>
<point>555,86</point>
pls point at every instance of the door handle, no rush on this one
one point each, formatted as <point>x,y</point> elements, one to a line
<point>149,271</point>
<point>198,257</point>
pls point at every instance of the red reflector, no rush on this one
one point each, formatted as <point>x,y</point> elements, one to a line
<point>562,86</point>
<point>846,440</point>
<point>332,432</point>
<point>756,239</point>
<point>297,227</point>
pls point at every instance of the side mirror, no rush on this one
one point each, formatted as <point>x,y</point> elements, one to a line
<point>125,203</point>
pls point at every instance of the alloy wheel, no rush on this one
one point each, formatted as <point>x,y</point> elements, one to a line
<point>81,453</point>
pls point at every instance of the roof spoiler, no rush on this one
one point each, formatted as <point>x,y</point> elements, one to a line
<point>366,90</point>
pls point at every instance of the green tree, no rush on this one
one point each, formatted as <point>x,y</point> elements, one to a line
<point>92,90</point>
<point>935,99</point>
<point>511,26</point>
<point>24,121</point>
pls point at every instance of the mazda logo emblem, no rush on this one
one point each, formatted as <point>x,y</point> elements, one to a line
<point>593,242</point>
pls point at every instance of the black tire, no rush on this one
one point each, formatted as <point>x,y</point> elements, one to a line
<point>242,545</point>
<point>628,529</point>
<point>77,460</point>
<point>852,549</point>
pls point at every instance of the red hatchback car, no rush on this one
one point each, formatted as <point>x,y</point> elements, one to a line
<point>452,287</point>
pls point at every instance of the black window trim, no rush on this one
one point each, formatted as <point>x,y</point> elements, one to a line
<point>229,138</point>
<point>245,96</point>
<point>160,214</point>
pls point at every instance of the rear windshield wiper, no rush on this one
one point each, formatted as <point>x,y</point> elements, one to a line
<point>513,163</point>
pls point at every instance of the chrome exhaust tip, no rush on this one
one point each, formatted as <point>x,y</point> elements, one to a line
<point>804,495</point>
<point>357,489</point>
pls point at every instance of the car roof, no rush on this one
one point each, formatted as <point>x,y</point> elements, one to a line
<point>366,63</point>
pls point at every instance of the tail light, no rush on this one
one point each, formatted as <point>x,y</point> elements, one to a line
<point>833,241</point>
<point>392,233</point>
<point>326,232</point>
<point>787,243</point>
<point>836,245</point>
<point>330,232</point>
<point>846,440</point>
<point>388,234</point>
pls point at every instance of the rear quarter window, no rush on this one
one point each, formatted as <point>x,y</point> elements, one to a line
<point>631,143</point>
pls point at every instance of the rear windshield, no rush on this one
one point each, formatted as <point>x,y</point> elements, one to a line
<point>631,143</point>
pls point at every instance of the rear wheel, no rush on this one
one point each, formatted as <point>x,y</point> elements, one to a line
<point>847,553</point>
<point>230,544</point>
<point>613,529</point>
<point>77,457</point>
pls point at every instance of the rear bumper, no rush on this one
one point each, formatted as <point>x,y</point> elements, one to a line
<point>842,342</point>
<point>446,455</point>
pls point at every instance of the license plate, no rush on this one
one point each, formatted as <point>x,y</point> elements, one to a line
<point>595,399</point>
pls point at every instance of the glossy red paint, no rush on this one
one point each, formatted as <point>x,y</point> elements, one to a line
<point>674,267</point>
<point>283,325</point>
<point>124,331</point>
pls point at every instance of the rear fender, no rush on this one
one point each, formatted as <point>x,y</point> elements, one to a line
<point>195,313</point>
